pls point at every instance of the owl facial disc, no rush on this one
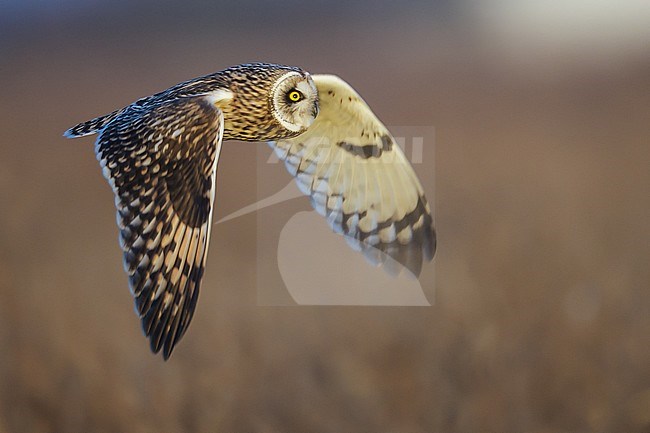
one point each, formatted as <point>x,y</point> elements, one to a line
<point>294,100</point>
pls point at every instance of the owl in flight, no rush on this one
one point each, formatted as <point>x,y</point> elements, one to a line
<point>160,155</point>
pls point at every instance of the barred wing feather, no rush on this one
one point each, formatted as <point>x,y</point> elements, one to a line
<point>358,178</point>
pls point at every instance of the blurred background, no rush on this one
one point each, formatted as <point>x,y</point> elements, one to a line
<point>541,316</point>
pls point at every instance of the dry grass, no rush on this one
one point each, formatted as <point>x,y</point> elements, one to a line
<point>540,322</point>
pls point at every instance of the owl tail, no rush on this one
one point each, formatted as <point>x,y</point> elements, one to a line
<point>91,126</point>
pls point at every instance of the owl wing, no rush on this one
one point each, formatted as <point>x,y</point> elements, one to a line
<point>359,179</point>
<point>161,162</point>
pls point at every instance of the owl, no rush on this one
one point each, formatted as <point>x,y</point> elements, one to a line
<point>160,153</point>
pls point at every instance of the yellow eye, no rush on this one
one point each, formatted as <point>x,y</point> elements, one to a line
<point>294,96</point>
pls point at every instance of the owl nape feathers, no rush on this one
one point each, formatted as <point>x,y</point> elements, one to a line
<point>160,154</point>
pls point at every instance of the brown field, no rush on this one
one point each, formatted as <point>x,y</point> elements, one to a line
<point>541,315</point>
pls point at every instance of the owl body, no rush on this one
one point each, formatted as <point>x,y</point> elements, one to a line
<point>241,92</point>
<point>160,155</point>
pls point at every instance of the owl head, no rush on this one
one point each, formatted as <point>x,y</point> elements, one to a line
<point>269,102</point>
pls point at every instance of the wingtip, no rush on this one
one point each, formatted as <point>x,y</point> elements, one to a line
<point>430,242</point>
<point>166,354</point>
<point>157,347</point>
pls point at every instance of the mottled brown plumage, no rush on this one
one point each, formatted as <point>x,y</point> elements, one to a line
<point>248,116</point>
<point>160,156</point>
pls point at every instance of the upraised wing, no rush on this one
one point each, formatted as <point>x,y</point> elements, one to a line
<point>359,179</point>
